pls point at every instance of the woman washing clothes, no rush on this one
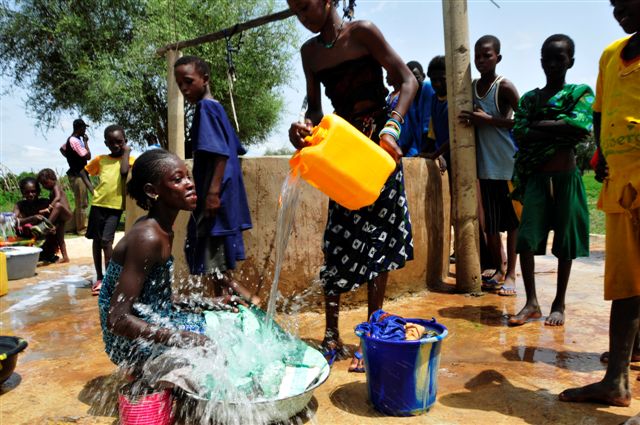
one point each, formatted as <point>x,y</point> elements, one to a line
<point>364,245</point>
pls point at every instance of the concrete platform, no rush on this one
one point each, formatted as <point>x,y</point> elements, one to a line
<point>490,373</point>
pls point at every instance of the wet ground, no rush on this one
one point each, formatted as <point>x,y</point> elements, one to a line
<point>489,373</point>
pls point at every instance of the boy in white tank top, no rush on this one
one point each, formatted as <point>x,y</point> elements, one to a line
<point>495,98</point>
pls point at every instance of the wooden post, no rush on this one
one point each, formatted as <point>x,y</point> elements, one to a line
<point>175,107</point>
<point>463,146</point>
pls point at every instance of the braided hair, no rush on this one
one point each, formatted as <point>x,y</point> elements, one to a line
<point>149,167</point>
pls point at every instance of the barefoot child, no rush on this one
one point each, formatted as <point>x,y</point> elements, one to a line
<point>214,239</point>
<point>550,122</point>
<point>108,199</point>
<point>135,299</point>
<point>617,128</point>
<point>495,98</point>
<point>359,246</point>
<point>58,209</point>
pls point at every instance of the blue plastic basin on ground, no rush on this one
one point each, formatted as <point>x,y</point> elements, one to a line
<point>402,375</point>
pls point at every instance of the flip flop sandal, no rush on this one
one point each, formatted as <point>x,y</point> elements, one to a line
<point>491,285</point>
<point>507,291</point>
<point>359,369</point>
<point>330,355</point>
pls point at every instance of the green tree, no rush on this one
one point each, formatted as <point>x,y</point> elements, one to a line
<point>97,58</point>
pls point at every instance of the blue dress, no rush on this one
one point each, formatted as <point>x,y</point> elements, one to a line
<point>213,135</point>
<point>153,306</point>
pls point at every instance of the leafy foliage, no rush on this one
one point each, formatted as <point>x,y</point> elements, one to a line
<point>97,58</point>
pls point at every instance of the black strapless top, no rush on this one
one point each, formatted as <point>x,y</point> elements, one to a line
<point>354,81</point>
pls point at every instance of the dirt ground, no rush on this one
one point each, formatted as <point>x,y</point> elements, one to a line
<point>489,373</point>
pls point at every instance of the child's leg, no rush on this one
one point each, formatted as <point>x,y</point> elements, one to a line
<point>107,249</point>
<point>531,309</point>
<point>512,257</point>
<point>97,258</point>
<point>556,317</point>
<point>61,243</point>
<point>614,387</point>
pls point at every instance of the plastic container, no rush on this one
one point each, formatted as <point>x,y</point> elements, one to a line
<point>149,409</point>
<point>4,277</point>
<point>402,376</point>
<point>10,346</point>
<point>343,163</point>
<point>21,261</point>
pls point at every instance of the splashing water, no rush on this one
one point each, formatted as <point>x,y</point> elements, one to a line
<point>287,205</point>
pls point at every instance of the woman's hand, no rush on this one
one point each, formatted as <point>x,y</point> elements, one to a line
<point>297,133</point>
<point>389,144</point>
<point>211,204</point>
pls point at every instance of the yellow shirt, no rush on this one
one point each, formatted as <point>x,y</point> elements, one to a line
<point>110,191</point>
<point>618,100</point>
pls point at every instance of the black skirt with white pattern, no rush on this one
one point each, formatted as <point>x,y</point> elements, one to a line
<point>361,244</point>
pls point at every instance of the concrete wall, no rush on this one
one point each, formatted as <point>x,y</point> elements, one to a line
<point>429,207</point>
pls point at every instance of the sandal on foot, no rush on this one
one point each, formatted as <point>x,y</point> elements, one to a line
<point>330,355</point>
<point>491,285</point>
<point>359,361</point>
<point>507,291</point>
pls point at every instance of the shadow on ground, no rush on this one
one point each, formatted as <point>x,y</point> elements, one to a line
<point>486,392</point>
<point>488,315</point>
<point>570,360</point>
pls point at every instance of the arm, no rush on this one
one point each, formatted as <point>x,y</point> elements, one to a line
<point>298,131</point>
<point>212,202</point>
<point>86,180</point>
<point>137,264</point>
<point>124,161</point>
<point>403,80</point>
<point>507,102</point>
<point>602,169</point>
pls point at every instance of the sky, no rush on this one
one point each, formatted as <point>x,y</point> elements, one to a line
<point>414,28</point>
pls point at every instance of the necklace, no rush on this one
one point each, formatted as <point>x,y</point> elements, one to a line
<point>333,43</point>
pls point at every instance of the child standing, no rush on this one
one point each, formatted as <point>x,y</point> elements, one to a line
<point>550,122</point>
<point>58,209</point>
<point>135,299</point>
<point>214,238</point>
<point>439,125</point>
<point>495,98</point>
<point>359,246</point>
<point>108,199</point>
<point>617,129</point>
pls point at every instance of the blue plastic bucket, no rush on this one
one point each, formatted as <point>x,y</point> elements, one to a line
<point>402,376</point>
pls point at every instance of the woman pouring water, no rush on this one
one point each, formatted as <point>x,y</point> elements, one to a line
<point>359,245</point>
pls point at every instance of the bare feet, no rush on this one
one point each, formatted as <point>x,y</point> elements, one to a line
<point>635,357</point>
<point>555,318</point>
<point>597,393</point>
<point>526,314</point>
<point>64,260</point>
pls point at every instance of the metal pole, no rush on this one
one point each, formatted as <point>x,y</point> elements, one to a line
<point>463,146</point>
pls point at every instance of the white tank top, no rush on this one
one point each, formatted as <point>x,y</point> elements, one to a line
<point>494,147</point>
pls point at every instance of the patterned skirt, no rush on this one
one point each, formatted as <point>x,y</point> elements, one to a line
<point>361,244</point>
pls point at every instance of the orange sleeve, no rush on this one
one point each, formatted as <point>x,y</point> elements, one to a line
<point>93,167</point>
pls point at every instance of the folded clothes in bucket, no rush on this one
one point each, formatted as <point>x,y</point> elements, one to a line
<point>389,327</point>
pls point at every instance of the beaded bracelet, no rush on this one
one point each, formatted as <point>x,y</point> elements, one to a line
<point>391,132</point>
<point>398,115</point>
